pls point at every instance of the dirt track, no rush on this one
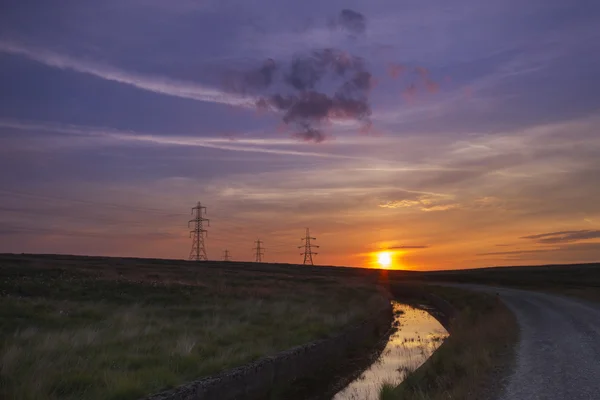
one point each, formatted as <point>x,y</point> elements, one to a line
<point>558,356</point>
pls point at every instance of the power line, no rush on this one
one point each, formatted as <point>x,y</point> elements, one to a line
<point>260,251</point>
<point>308,253</point>
<point>198,251</point>
<point>227,231</point>
<point>226,256</point>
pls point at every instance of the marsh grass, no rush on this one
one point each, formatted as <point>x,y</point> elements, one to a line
<point>90,332</point>
<point>482,338</point>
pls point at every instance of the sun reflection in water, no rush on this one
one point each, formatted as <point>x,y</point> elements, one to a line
<point>417,336</point>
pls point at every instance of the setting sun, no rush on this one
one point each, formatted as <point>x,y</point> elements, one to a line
<point>384,259</point>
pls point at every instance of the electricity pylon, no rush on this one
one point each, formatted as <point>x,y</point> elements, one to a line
<point>226,255</point>
<point>198,251</point>
<point>308,253</point>
<point>260,251</point>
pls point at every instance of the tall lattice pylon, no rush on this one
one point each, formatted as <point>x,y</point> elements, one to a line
<point>259,251</point>
<point>308,253</point>
<point>198,251</point>
<point>226,256</point>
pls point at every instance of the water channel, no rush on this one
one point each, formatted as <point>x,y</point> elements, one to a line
<point>417,335</point>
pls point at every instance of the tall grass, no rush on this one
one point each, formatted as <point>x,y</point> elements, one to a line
<point>72,333</point>
<point>479,348</point>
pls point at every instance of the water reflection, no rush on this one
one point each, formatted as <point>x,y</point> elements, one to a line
<point>417,336</point>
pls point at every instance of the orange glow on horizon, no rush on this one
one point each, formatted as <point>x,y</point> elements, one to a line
<point>386,260</point>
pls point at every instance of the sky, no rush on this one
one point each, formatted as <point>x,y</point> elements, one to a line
<point>451,135</point>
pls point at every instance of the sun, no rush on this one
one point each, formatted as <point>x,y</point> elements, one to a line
<point>384,259</point>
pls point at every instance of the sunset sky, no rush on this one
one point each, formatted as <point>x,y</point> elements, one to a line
<point>479,144</point>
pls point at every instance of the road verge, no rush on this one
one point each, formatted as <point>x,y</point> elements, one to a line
<point>475,360</point>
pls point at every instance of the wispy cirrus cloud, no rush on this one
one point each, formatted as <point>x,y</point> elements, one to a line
<point>440,202</point>
<point>564,236</point>
<point>408,247</point>
<point>425,202</point>
<point>556,241</point>
<point>239,145</point>
<point>151,83</point>
<point>562,248</point>
<point>400,204</point>
<point>516,252</point>
<point>441,207</point>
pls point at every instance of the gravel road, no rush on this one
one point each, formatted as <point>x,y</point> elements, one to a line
<point>558,357</point>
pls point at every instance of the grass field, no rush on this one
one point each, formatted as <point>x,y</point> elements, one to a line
<point>467,365</point>
<point>101,328</point>
<point>115,328</point>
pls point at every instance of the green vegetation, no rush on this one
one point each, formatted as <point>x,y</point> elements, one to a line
<point>481,343</point>
<point>115,328</point>
<point>99,328</point>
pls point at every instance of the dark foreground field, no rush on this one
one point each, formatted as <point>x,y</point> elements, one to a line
<point>121,328</point>
<point>108,328</point>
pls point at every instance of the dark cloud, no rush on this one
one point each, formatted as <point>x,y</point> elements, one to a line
<point>310,134</point>
<point>304,73</point>
<point>352,21</point>
<point>558,251</point>
<point>304,106</point>
<point>298,87</point>
<point>323,84</point>
<point>407,247</point>
<point>264,75</point>
<point>564,236</point>
<point>307,70</point>
<point>516,252</point>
